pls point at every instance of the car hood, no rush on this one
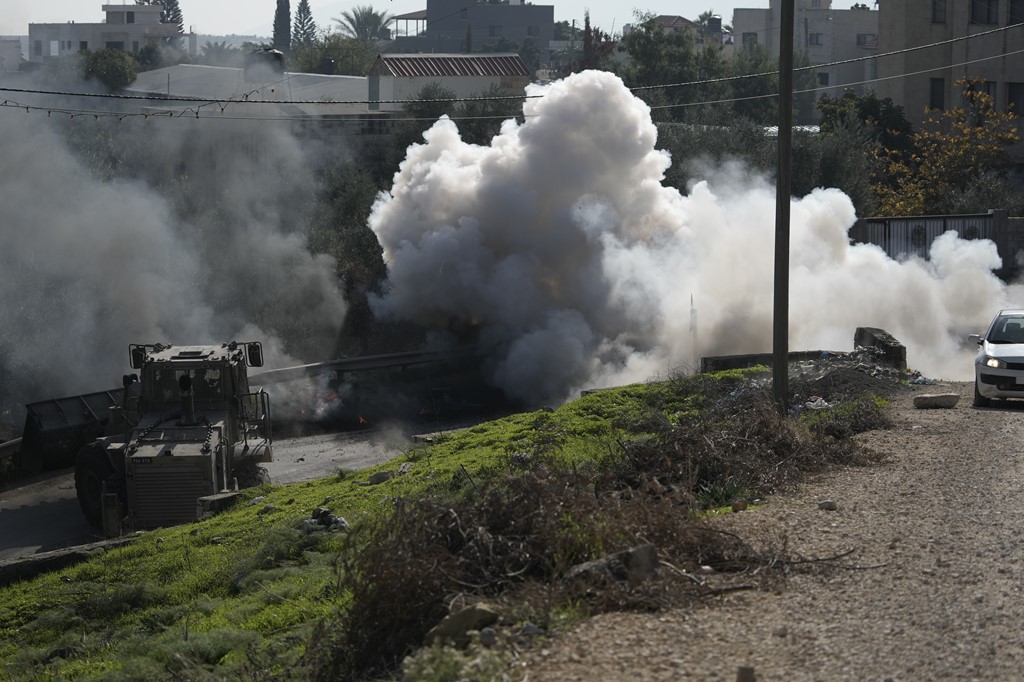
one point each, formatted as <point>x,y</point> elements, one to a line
<point>1005,351</point>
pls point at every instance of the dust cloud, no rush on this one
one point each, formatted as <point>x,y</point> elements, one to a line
<point>96,251</point>
<point>560,245</point>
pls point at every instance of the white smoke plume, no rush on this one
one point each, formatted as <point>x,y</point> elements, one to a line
<point>91,264</point>
<point>560,243</point>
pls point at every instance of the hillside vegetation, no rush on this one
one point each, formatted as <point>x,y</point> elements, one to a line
<point>497,513</point>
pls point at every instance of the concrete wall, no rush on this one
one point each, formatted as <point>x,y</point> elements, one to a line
<point>392,88</point>
<point>448,21</point>
<point>10,55</point>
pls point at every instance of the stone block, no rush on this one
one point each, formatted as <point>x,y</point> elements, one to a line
<point>931,401</point>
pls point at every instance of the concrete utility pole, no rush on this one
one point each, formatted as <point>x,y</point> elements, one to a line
<point>783,185</point>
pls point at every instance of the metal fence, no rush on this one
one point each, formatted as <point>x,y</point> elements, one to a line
<point>905,237</point>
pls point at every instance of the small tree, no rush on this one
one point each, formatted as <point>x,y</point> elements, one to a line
<point>659,57</point>
<point>283,26</point>
<point>303,28</point>
<point>952,149</point>
<point>115,69</point>
<point>756,96</point>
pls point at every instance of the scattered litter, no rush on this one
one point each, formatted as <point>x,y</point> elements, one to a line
<point>816,403</point>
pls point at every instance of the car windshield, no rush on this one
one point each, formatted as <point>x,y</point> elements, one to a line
<point>1007,329</point>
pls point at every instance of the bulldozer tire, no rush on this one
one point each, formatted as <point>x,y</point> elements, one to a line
<point>249,475</point>
<point>92,470</point>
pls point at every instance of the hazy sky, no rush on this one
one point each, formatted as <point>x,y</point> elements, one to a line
<point>224,17</point>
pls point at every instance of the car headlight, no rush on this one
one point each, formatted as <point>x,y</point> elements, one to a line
<point>994,362</point>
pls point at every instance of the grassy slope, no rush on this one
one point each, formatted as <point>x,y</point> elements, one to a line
<point>242,592</point>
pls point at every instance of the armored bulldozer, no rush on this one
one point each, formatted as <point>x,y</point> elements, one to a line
<point>192,433</point>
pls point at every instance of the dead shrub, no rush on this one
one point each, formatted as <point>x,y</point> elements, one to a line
<point>512,536</point>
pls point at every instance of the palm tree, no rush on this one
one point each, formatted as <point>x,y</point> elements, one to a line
<point>218,53</point>
<point>365,23</point>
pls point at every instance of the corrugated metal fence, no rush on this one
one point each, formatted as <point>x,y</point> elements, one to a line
<point>906,237</point>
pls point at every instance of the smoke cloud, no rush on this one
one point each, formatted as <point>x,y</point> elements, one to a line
<point>92,261</point>
<point>559,242</point>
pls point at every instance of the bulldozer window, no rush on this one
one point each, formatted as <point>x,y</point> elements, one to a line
<point>207,385</point>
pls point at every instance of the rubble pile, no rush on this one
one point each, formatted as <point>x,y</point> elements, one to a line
<point>841,376</point>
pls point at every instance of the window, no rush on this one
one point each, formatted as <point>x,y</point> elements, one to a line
<point>750,38</point>
<point>37,48</point>
<point>1015,98</point>
<point>54,48</point>
<point>129,18</point>
<point>936,93</point>
<point>984,11</point>
<point>815,4</point>
<point>83,45</point>
<point>815,38</point>
<point>533,31</point>
<point>938,11</point>
<point>115,45</point>
<point>823,78</point>
<point>867,40</point>
<point>1016,15</point>
<point>135,46</point>
<point>494,31</point>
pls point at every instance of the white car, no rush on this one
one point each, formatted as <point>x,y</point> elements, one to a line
<point>999,367</point>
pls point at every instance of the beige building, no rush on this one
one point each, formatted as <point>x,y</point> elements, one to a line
<point>127,27</point>
<point>927,78</point>
<point>826,35</point>
<point>395,78</point>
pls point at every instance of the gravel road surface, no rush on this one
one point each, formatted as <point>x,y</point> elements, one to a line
<point>932,589</point>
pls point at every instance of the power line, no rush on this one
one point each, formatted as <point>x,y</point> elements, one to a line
<point>223,104</point>
<point>844,85</point>
<point>245,98</point>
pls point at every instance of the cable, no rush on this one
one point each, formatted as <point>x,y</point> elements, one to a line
<point>844,85</point>
<point>245,97</point>
<point>195,111</point>
<point>818,67</point>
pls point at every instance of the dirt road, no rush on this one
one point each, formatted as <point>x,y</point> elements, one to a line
<point>932,589</point>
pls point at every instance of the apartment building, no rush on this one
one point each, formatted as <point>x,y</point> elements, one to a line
<point>455,26</point>
<point>826,35</point>
<point>126,27</point>
<point>991,48</point>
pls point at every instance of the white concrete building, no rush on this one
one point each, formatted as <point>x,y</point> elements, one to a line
<point>402,76</point>
<point>826,35</point>
<point>127,27</point>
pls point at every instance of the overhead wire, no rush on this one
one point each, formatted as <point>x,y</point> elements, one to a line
<point>246,98</point>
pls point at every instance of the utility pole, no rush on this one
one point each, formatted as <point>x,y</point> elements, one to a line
<point>783,190</point>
